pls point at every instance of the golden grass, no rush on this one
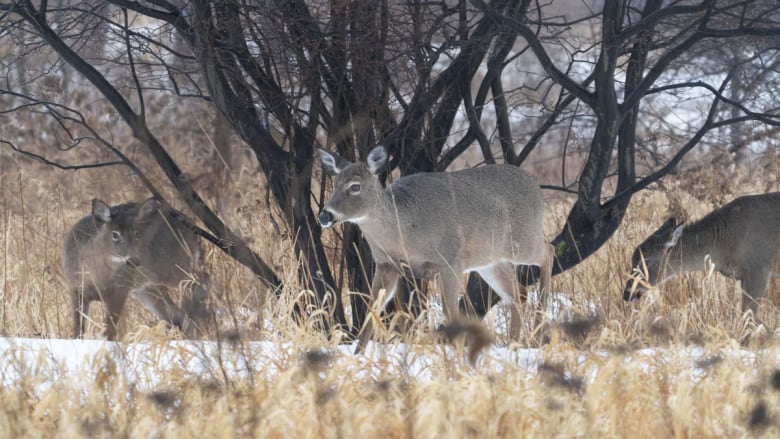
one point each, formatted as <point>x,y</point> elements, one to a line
<point>593,380</point>
<point>574,394</point>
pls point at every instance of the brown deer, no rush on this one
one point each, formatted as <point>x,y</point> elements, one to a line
<point>741,239</point>
<point>142,249</point>
<point>486,219</point>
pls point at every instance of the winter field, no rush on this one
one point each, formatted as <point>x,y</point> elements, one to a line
<point>278,389</point>
<point>682,363</point>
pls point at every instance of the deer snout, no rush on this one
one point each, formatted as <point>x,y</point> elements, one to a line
<point>133,262</point>
<point>627,292</point>
<point>326,219</point>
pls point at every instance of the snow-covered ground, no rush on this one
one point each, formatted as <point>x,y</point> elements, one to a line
<point>146,365</point>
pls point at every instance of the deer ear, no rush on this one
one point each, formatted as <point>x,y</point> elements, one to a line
<point>101,211</point>
<point>377,159</point>
<point>331,163</point>
<point>675,236</point>
<point>146,209</point>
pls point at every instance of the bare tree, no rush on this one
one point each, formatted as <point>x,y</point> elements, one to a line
<point>428,80</point>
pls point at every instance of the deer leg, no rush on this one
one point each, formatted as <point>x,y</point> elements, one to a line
<point>386,277</point>
<point>545,266</point>
<point>115,300</point>
<point>157,300</point>
<point>754,284</point>
<point>450,286</point>
<point>541,254</point>
<point>195,308</point>
<point>501,278</point>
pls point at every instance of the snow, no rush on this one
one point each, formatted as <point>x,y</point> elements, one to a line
<point>145,365</point>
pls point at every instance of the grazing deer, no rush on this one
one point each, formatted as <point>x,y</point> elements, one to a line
<point>486,219</point>
<point>741,239</point>
<point>142,249</point>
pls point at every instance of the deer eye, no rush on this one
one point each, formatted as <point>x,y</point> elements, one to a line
<point>354,188</point>
<point>116,236</point>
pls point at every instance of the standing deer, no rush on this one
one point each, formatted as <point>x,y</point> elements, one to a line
<point>486,219</point>
<point>741,239</point>
<point>142,249</point>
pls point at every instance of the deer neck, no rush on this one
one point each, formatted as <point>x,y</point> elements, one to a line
<point>384,228</point>
<point>695,245</point>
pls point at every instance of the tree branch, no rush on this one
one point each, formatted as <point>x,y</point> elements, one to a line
<point>541,54</point>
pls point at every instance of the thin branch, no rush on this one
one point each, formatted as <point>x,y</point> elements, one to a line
<point>141,104</point>
<point>562,104</point>
<point>770,119</point>
<point>651,20</point>
<point>484,143</point>
<point>45,161</point>
<point>563,189</point>
<point>463,144</point>
<point>541,54</point>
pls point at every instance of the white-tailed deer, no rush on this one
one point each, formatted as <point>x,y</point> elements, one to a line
<point>486,219</point>
<point>142,249</point>
<point>741,239</point>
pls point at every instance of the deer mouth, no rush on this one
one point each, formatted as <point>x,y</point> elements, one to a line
<point>627,293</point>
<point>326,219</point>
<point>131,261</point>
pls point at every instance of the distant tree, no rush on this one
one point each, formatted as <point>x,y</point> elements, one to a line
<point>428,80</point>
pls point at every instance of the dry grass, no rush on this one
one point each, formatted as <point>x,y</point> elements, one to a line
<point>595,381</point>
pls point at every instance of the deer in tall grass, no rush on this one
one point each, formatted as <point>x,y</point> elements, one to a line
<point>143,249</point>
<point>442,225</point>
<point>741,239</point>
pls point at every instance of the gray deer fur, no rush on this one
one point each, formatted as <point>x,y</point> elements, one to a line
<point>487,219</point>
<point>741,239</point>
<point>133,248</point>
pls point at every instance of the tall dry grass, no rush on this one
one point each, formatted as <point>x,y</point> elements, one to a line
<point>595,379</point>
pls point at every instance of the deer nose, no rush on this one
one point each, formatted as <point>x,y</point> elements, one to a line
<point>326,219</point>
<point>133,261</point>
<point>630,298</point>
